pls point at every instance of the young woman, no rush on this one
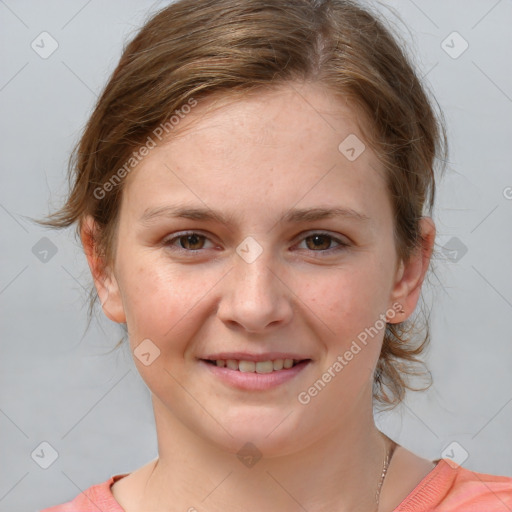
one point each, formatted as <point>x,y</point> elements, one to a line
<point>252,193</point>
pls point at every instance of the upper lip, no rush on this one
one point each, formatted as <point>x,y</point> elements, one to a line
<point>246,356</point>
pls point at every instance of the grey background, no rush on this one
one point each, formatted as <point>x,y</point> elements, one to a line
<point>90,404</point>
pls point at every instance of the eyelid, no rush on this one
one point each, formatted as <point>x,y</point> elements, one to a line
<point>335,236</point>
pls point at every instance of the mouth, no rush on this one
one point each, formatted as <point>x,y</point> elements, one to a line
<point>248,366</point>
<point>254,372</point>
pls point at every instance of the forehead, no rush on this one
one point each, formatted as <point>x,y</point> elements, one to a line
<point>289,145</point>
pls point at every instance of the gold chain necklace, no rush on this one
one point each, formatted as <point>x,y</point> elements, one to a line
<point>389,454</point>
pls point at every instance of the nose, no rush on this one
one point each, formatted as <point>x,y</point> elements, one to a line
<point>254,297</point>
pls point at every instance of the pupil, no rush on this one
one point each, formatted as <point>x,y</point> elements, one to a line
<point>320,241</point>
<point>190,240</point>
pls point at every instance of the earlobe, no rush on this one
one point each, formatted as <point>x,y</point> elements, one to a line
<point>410,274</point>
<point>105,281</point>
<point>110,297</point>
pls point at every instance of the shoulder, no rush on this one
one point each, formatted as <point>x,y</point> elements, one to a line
<point>478,491</point>
<point>452,488</point>
<point>96,497</point>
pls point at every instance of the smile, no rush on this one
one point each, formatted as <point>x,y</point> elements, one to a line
<point>255,375</point>
<point>255,366</point>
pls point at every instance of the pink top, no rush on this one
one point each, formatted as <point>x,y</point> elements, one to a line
<point>447,488</point>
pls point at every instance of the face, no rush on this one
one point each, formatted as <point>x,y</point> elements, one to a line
<point>251,236</point>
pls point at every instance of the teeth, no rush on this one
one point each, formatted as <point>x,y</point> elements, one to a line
<point>264,367</point>
<point>232,364</point>
<point>258,367</point>
<point>278,364</point>
<point>246,366</point>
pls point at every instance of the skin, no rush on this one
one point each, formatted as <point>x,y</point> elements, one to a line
<point>256,158</point>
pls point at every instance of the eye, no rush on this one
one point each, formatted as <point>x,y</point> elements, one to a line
<point>189,242</point>
<point>192,241</point>
<point>322,242</point>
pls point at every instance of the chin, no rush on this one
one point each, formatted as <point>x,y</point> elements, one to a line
<point>266,433</point>
<point>249,446</point>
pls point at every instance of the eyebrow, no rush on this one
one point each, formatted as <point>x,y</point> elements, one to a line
<point>206,214</point>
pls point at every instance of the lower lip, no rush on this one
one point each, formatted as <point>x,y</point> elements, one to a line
<point>252,380</point>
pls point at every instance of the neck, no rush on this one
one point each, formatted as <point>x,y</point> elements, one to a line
<point>339,471</point>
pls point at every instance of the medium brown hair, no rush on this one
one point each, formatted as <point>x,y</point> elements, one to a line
<point>193,49</point>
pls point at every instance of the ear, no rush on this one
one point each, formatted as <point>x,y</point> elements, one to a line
<point>410,274</point>
<point>104,278</point>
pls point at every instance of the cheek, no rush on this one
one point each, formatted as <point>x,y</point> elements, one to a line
<point>158,300</point>
<point>167,307</point>
<point>347,299</point>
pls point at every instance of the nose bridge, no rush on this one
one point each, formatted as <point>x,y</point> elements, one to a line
<point>255,297</point>
<point>252,274</point>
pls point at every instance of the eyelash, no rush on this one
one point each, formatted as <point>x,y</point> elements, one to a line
<point>169,242</point>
